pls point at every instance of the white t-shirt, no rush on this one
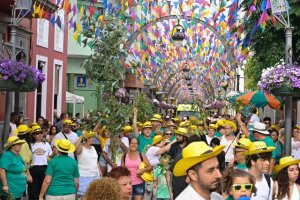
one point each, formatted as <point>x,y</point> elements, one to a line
<point>71,136</point>
<point>13,127</point>
<point>88,162</point>
<point>40,153</point>
<point>208,139</point>
<point>152,157</point>
<point>230,154</point>
<point>264,192</point>
<point>295,145</point>
<point>119,153</point>
<point>254,118</point>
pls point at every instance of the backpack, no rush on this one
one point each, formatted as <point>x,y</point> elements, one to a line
<point>268,179</point>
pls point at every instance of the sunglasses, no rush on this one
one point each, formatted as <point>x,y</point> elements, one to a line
<point>247,186</point>
<point>267,122</point>
<point>168,134</point>
<point>38,133</point>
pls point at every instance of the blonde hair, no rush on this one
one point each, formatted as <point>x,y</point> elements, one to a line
<point>103,189</point>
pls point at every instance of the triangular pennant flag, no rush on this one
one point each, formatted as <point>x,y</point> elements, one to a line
<point>79,39</point>
<point>66,5</point>
<point>47,14</point>
<point>34,8</point>
<point>52,19</point>
<point>75,36</point>
<point>58,21</point>
<point>41,12</point>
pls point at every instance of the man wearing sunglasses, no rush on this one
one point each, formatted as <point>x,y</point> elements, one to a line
<point>258,163</point>
<point>66,133</point>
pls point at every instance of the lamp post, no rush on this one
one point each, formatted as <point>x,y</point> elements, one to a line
<point>278,8</point>
<point>178,34</point>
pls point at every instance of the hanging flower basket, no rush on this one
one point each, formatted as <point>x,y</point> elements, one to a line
<point>19,77</point>
<point>281,80</point>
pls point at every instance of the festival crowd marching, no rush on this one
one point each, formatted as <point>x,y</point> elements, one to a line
<point>218,157</point>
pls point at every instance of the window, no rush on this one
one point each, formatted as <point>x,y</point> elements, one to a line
<point>59,33</point>
<point>56,85</point>
<point>42,32</point>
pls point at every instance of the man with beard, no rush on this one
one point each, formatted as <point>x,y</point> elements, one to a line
<point>199,162</point>
<point>181,138</point>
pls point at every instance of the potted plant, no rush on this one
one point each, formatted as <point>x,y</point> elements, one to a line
<point>281,80</point>
<point>18,76</point>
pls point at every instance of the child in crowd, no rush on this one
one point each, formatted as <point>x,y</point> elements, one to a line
<point>160,182</point>
<point>237,183</point>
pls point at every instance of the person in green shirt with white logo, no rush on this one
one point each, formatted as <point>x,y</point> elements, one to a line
<point>13,172</point>
<point>62,175</point>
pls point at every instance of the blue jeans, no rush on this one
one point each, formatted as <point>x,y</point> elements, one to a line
<point>138,189</point>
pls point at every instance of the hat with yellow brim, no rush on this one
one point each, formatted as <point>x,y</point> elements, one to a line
<point>181,131</point>
<point>258,147</point>
<point>12,141</point>
<point>285,162</point>
<point>232,124</point>
<point>157,139</point>
<point>127,129</point>
<point>146,176</point>
<point>102,129</point>
<point>193,154</point>
<point>184,124</point>
<point>23,129</point>
<point>67,122</point>
<point>243,143</point>
<point>147,125</point>
<point>35,129</point>
<point>156,117</point>
<point>89,134</point>
<point>64,145</point>
<point>212,126</point>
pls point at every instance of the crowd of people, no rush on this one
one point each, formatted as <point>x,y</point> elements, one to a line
<point>221,157</point>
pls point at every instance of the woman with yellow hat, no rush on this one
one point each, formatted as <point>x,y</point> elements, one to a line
<point>41,150</point>
<point>288,180</point>
<point>13,171</point>
<point>23,133</point>
<point>87,159</point>
<point>62,173</point>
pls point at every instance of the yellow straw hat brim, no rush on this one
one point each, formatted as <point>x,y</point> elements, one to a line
<point>70,150</point>
<point>7,145</point>
<point>184,164</point>
<point>156,119</point>
<point>279,167</point>
<point>268,150</point>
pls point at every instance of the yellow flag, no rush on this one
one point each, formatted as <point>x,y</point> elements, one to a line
<point>41,13</point>
<point>75,35</point>
<point>34,8</point>
<point>78,27</point>
<point>37,11</point>
<point>81,11</point>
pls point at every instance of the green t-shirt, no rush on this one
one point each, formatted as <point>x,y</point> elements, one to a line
<point>278,151</point>
<point>143,142</point>
<point>63,170</point>
<point>241,166</point>
<point>268,140</point>
<point>162,191</point>
<point>217,134</point>
<point>15,169</point>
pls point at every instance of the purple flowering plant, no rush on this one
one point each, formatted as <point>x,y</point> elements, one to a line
<point>21,73</point>
<point>278,76</point>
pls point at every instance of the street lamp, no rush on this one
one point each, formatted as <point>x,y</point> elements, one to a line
<point>278,7</point>
<point>178,34</point>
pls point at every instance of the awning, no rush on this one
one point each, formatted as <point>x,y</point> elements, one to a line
<point>73,98</point>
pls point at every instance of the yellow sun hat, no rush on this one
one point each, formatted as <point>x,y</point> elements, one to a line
<point>157,139</point>
<point>23,129</point>
<point>193,154</point>
<point>127,129</point>
<point>67,122</point>
<point>64,145</point>
<point>184,124</point>
<point>243,143</point>
<point>200,123</point>
<point>193,127</point>
<point>212,126</point>
<point>258,147</point>
<point>147,125</point>
<point>156,117</point>
<point>232,124</point>
<point>146,176</point>
<point>285,162</point>
<point>171,123</point>
<point>102,129</point>
<point>12,141</point>
<point>89,134</point>
<point>35,129</point>
<point>220,122</point>
<point>181,131</point>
